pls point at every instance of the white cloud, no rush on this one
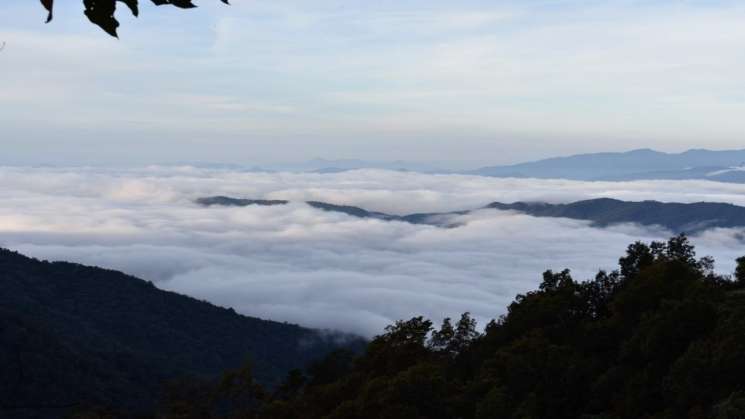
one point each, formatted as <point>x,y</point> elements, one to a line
<point>322,269</point>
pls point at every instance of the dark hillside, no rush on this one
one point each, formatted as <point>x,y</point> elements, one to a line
<point>72,334</point>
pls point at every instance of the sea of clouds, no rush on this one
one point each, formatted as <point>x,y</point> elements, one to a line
<point>323,269</point>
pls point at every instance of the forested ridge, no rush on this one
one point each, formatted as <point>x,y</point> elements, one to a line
<point>73,336</point>
<point>691,218</point>
<point>661,337</point>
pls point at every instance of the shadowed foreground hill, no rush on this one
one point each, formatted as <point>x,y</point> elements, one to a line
<point>74,335</point>
<point>662,337</point>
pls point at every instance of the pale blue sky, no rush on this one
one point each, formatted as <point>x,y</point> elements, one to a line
<point>461,82</point>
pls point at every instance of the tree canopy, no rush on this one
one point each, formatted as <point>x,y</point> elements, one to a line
<point>662,337</point>
<point>102,12</point>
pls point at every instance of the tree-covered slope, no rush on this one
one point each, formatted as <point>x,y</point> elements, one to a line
<point>662,337</point>
<point>76,335</point>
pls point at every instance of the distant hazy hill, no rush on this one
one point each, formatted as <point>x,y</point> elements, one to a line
<point>677,217</point>
<point>726,166</point>
<point>345,209</point>
<point>238,202</point>
<point>72,334</point>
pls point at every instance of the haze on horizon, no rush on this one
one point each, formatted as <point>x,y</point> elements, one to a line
<point>464,83</point>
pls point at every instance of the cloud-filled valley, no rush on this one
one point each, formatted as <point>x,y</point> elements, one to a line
<point>323,269</point>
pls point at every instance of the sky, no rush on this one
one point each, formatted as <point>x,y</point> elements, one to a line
<point>330,270</point>
<point>466,83</point>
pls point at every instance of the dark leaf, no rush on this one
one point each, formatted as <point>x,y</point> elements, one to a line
<point>132,4</point>
<point>184,4</point>
<point>101,13</point>
<point>49,5</point>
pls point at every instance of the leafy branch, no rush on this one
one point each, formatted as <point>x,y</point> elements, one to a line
<point>101,12</point>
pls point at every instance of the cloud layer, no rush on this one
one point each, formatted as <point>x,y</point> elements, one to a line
<point>321,269</point>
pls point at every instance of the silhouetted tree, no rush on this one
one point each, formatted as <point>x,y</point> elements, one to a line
<point>441,338</point>
<point>740,271</point>
<point>465,333</point>
<point>402,344</point>
<point>638,255</point>
<point>453,340</point>
<point>679,248</point>
<point>553,281</point>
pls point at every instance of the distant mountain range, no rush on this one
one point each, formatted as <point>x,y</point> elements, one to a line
<point>437,219</point>
<point>642,164</point>
<point>721,166</point>
<point>677,217</point>
<point>72,335</point>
